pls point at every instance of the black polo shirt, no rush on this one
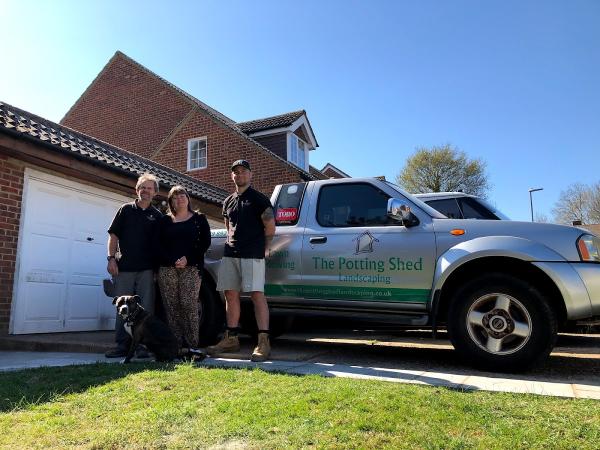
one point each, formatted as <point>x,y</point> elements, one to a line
<point>246,234</point>
<point>137,230</point>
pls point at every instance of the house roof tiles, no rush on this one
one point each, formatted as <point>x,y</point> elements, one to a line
<point>21,123</point>
<point>267,123</point>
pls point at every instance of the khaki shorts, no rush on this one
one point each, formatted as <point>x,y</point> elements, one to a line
<point>241,274</point>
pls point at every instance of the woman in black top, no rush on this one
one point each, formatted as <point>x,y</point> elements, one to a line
<point>184,238</point>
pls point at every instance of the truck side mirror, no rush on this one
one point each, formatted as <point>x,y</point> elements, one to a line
<point>397,210</point>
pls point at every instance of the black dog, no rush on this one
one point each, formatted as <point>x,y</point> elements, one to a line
<point>145,329</point>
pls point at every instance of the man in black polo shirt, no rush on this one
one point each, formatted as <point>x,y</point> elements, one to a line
<point>133,232</point>
<point>250,228</point>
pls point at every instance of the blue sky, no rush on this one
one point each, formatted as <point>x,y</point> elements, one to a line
<point>515,83</point>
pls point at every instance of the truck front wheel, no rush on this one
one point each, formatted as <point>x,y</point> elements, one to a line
<point>501,323</point>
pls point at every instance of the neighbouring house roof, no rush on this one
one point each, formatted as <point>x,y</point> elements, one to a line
<point>21,123</point>
<point>219,117</point>
<point>317,173</point>
<point>330,166</point>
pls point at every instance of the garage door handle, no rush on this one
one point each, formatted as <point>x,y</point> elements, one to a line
<point>90,239</point>
<point>318,240</point>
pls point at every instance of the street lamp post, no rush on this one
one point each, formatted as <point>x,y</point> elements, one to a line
<point>531,199</point>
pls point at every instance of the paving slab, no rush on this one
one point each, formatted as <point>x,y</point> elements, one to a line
<point>586,391</point>
<point>521,386</point>
<point>20,360</point>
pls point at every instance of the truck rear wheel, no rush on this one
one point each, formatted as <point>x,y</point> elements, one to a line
<point>501,323</point>
<point>212,313</point>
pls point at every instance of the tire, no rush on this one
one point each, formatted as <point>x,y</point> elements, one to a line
<point>501,323</point>
<point>212,313</point>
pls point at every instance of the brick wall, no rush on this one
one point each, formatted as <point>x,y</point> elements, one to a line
<point>11,191</point>
<point>128,107</point>
<point>223,147</point>
<point>131,108</point>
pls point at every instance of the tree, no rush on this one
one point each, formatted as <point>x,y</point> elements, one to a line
<point>574,203</point>
<point>441,169</point>
<point>595,204</point>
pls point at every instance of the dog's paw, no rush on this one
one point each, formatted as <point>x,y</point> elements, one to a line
<point>197,355</point>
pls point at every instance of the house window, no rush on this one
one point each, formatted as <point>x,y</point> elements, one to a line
<point>298,152</point>
<point>197,154</point>
<point>301,153</point>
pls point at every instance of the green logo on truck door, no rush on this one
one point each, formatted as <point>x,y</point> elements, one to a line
<point>360,275</point>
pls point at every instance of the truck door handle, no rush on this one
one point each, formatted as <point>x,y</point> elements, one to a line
<point>318,240</point>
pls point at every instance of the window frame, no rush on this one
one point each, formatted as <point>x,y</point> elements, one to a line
<point>190,142</point>
<point>293,145</point>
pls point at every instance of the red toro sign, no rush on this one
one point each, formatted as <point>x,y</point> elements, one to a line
<point>286,215</point>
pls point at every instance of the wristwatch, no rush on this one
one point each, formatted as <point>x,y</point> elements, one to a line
<point>108,258</point>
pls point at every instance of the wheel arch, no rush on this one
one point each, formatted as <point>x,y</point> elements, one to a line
<point>501,265</point>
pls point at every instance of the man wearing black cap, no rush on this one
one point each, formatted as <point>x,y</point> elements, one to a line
<point>250,228</point>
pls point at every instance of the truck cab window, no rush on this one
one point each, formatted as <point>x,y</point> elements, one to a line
<point>352,205</point>
<point>287,206</point>
<point>447,207</point>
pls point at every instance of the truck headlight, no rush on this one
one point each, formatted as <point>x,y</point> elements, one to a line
<point>589,248</point>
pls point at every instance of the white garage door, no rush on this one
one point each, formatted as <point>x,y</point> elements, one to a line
<point>62,257</point>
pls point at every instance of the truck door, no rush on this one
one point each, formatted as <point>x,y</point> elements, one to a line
<point>283,264</point>
<point>352,252</point>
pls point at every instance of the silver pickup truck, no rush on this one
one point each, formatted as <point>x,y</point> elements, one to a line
<point>364,248</point>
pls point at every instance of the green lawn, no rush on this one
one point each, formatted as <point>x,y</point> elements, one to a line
<point>182,406</point>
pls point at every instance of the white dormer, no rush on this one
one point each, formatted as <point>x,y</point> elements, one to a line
<point>289,135</point>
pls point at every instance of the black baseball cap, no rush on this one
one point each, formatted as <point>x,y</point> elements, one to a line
<point>240,162</point>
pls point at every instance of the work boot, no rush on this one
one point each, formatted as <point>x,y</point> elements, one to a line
<point>262,350</point>
<point>228,344</point>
